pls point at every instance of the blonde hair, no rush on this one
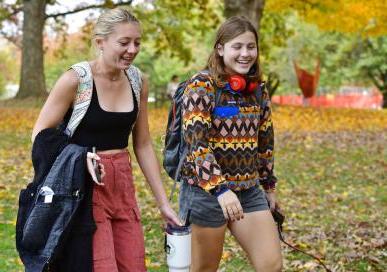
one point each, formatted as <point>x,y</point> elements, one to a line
<point>231,28</point>
<point>109,19</point>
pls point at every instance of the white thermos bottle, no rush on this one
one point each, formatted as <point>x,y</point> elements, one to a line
<point>178,248</point>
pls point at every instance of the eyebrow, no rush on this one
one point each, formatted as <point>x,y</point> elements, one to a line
<point>239,43</point>
<point>128,38</point>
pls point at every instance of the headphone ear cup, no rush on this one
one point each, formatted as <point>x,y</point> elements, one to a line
<point>252,87</point>
<point>237,83</point>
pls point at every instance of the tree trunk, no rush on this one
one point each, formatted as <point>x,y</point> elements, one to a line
<point>379,79</point>
<point>384,105</point>
<point>32,81</point>
<point>383,89</point>
<point>252,9</point>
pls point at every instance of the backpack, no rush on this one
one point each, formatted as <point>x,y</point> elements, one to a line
<point>175,148</point>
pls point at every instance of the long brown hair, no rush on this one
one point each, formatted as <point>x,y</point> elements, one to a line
<point>231,28</point>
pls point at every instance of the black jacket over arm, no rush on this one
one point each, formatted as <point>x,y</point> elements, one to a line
<point>58,234</point>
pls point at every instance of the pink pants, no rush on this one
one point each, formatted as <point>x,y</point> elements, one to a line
<point>118,243</point>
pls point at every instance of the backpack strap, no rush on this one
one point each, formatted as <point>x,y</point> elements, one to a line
<point>135,77</point>
<point>83,96</point>
<point>259,92</point>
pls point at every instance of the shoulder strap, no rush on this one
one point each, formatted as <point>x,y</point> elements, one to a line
<point>259,92</point>
<point>83,95</point>
<point>135,77</point>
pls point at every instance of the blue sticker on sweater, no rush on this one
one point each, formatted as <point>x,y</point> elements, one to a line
<point>224,111</point>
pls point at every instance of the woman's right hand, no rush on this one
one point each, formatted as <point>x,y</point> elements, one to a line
<point>169,215</point>
<point>90,167</point>
<point>231,207</point>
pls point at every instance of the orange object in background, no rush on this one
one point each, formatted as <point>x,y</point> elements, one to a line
<point>307,81</point>
<point>356,101</point>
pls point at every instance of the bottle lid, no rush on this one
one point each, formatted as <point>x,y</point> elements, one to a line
<point>178,230</point>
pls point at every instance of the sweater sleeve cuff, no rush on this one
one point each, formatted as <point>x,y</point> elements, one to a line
<point>220,189</point>
<point>269,185</point>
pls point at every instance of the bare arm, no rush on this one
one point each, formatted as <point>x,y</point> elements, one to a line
<point>54,109</point>
<point>58,102</point>
<point>146,157</point>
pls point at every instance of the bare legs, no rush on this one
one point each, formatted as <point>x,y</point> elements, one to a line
<point>258,236</point>
<point>256,233</point>
<point>207,248</point>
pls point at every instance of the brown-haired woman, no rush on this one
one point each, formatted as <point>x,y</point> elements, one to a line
<point>228,129</point>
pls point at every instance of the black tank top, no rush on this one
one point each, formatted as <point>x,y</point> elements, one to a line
<point>105,129</point>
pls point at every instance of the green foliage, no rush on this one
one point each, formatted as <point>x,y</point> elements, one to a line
<point>7,9</point>
<point>66,50</point>
<point>273,35</point>
<point>344,58</point>
<point>161,66</point>
<point>371,56</point>
<point>8,67</point>
<point>178,44</point>
<point>171,26</point>
<point>178,36</point>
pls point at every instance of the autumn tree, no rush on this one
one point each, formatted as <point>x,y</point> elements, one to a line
<point>366,20</point>
<point>252,9</point>
<point>170,44</point>
<point>170,20</point>
<point>32,81</point>
<point>348,16</point>
<point>371,61</point>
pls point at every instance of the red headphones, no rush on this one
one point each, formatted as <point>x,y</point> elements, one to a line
<point>238,84</point>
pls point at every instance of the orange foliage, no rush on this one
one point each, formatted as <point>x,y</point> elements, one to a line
<point>352,16</point>
<point>303,119</point>
<point>285,118</point>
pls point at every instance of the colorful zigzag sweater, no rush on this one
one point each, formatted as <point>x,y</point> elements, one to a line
<point>230,142</point>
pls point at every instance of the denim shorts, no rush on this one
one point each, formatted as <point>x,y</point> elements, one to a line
<point>205,208</point>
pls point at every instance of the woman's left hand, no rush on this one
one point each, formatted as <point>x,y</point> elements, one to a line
<point>273,203</point>
<point>169,215</point>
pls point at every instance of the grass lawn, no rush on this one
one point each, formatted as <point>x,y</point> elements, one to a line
<point>331,166</point>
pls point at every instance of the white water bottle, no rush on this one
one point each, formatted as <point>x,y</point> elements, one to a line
<point>178,248</point>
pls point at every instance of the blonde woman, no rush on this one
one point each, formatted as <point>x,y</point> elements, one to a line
<point>117,109</point>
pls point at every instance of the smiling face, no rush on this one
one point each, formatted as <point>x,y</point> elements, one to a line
<point>121,46</point>
<point>239,54</point>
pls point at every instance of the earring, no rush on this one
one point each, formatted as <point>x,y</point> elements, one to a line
<point>101,52</point>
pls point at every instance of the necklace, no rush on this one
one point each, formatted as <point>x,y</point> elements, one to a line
<point>115,78</point>
<point>106,75</point>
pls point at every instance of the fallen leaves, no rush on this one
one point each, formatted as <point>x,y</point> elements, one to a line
<point>331,165</point>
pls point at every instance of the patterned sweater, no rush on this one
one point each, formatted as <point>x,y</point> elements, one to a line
<point>230,143</point>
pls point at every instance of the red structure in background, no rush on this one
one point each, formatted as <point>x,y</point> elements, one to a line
<point>372,100</point>
<point>307,82</point>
